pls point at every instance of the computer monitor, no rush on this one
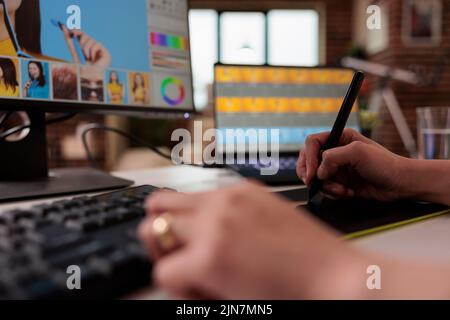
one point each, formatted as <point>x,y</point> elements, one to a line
<point>109,56</point>
<point>298,101</point>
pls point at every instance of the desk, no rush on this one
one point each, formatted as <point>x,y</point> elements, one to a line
<point>424,240</point>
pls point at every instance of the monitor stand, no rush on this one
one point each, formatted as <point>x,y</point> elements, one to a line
<point>24,173</point>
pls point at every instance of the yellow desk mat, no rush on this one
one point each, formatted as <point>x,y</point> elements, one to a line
<point>368,232</point>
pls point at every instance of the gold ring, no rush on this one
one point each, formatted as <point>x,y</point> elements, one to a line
<point>165,235</point>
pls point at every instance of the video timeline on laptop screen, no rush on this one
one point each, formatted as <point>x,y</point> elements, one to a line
<point>297,101</point>
<point>103,52</point>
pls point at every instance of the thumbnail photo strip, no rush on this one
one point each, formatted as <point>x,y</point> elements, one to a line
<point>55,81</point>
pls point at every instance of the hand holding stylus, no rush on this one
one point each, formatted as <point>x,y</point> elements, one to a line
<point>358,166</point>
<point>338,128</point>
<point>92,51</point>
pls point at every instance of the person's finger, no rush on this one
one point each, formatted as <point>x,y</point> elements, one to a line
<point>86,47</point>
<point>82,37</point>
<point>179,272</point>
<point>172,202</point>
<point>85,43</point>
<point>313,146</point>
<point>69,41</point>
<point>337,190</point>
<point>183,227</point>
<point>145,235</point>
<point>96,52</point>
<point>101,56</point>
<point>301,166</point>
<point>333,159</point>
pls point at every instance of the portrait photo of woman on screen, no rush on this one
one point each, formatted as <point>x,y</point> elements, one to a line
<point>9,85</point>
<point>116,88</point>
<point>25,18</point>
<point>35,80</point>
<point>139,88</point>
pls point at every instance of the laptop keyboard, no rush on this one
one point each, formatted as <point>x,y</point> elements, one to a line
<point>286,163</point>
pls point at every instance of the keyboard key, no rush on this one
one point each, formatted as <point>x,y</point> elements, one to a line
<point>109,219</point>
<point>122,258</point>
<point>47,233</point>
<point>60,244</point>
<point>41,288</point>
<point>72,204</point>
<point>3,291</point>
<point>92,211</point>
<point>81,253</point>
<point>73,215</point>
<point>20,214</point>
<point>125,213</point>
<point>115,261</point>
<point>84,225</point>
<point>35,223</point>
<point>11,244</point>
<point>43,210</point>
<point>3,220</point>
<point>124,201</point>
<point>11,230</point>
<point>85,200</point>
<point>139,210</point>
<point>64,216</point>
<point>19,260</point>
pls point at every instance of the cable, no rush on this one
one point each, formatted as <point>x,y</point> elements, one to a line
<point>5,117</point>
<point>132,138</point>
<point>48,121</point>
<point>127,135</point>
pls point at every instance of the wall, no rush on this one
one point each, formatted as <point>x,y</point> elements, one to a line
<point>402,56</point>
<point>338,29</point>
<point>58,134</point>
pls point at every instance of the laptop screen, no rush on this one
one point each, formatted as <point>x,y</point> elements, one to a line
<point>298,101</point>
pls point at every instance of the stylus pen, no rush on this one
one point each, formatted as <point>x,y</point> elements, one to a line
<point>338,127</point>
<point>76,42</point>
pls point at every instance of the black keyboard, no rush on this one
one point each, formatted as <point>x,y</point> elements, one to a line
<point>96,234</point>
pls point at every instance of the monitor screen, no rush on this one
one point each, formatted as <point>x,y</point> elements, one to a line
<point>95,54</point>
<point>297,101</point>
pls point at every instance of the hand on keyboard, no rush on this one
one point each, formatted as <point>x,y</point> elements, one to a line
<point>240,243</point>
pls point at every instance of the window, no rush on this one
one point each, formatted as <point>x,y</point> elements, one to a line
<point>293,37</point>
<point>204,51</point>
<point>242,37</point>
<point>276,37</point>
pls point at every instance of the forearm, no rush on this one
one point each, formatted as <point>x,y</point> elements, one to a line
<point>428,180</point>
<point>411,280</point>
<point>365,277</point>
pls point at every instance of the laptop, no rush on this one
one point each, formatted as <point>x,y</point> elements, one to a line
<point>286,104</point>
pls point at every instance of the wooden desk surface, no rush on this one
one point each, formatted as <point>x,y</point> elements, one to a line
<point>428,240</point>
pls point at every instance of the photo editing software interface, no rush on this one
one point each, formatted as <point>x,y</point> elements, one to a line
<point>104,52</point>
<point>297,101</point>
